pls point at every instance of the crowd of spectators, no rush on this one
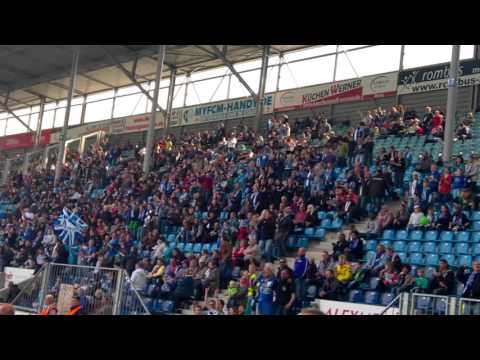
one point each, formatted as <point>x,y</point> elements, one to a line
<point>239,196</point>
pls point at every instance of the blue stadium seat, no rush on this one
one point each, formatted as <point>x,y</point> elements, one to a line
<point>302,242</point>
<point>309,232</point>
<point>171,238</point>
<point>462,249</point>
<point>402,235</point>
<point>386,243</point>
<point>388,235</point>
<point>386,298</point>
<point>181,246</point>
<point>446,236</point>
<point>476,237</point>
<point>431,235</point>
<point>445,248</point>
<point>197,248</point>
<point>416,235</point>
<point>476,226</point>
<point>167,307</point>
<point>414,247</point>
<point>431,260</point>
<point>370,245</point>
<point>476,250</point>
<point>326,223</point>
<point>373,283</point>
<point>336,224</point>
<point>321,215</point>
<point>369,255</point>
<point>462,236</point>
<point>188,248</point>
<point>450,259</point>
<point>223,215</point>
<point>403,256</point>
<point>214,247</point>
<point>320,233</point>
<point>372,297</point>
<point>172,245</point>
<point>206,247</point>
<point>355,296</point>
<point>430,247</point>
<point>423,303</point>
<point>292,242</point>
<point>464,260</point>
<point>205,215</point>
<point>399,246</point>
<point>416,259</point>
<point>476,216</point>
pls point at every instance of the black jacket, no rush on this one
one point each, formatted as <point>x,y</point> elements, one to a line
<point>472,290</point>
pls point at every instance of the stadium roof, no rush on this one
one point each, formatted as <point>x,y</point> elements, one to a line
<point>30,72</point>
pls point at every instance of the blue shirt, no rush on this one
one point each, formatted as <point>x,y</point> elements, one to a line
<point>300,267</point>
<point>266,288</point>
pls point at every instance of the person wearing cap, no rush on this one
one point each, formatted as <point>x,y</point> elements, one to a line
<point>415,217</point>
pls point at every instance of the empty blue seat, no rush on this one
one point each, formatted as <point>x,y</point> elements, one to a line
<point>422,303</point>
<point>369,255</point>
<point>355,296</point>
<point>431,260</point>
<point>310,232</point>
<point>450,259</point>
<point>386,243</point>
<point>372,297</point>
<point>188,248</point>
<point>292,242</point>
<point>386,298</point>
<point>370,245</point>
<point>326,223</point>
<point>206,247</point>
<point>416,235</point>
<point>464,260</point>
<point>414,247</point>
<point>476,237</point>
<point>214,247</point>
<point>403,256</point>
<point>445,248</point>
<point>181,246</point>
<point>320,233</point>
<point>388,235</point>
<point>462,249</point>
<point>476,250</point>
<point>446,236</point>
<point>172,245</point>
<point>431,235</point>
<point>321,215</point>
<point>399,246</point>
<point>197,248</point>
<point>476,226</point>
<point>336,224</point>
<point>430,247</point>
<point>302,242</point>
<point>205,215</point>
<point>476,216</point>
<point>463,236</point>
<point>416,259</point>
<point>171,238</point>
<point>373,283</point>
<point>402,235</point>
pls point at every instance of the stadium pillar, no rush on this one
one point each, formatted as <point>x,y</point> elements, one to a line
<point>451,104</point>
<point>151,124</point>
<point>39,122</point>
<point>63,136</point>
<point>171,93</point>
<point>279,74</point>
<point>261,87</point>
<point>476,91</point>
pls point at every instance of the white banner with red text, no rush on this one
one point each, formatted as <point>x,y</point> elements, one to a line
<point>329,307</point>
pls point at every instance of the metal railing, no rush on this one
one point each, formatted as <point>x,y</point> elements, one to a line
<point>102,291</point>
<point>468,307</point>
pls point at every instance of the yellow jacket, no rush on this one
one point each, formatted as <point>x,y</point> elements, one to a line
<point>343,272</point>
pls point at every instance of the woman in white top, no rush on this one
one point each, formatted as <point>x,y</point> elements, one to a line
<point>49,238</point>
<point>415,217</point>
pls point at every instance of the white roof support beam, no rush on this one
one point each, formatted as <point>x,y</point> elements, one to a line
<point>7,109</point>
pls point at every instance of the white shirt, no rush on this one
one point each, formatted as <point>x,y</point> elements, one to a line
<point>415,218</point>
<point>139,279</point>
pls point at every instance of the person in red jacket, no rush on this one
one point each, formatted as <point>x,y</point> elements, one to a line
<point>445,185</point>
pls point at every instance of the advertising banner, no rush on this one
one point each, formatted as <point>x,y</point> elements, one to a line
<point>436,77</point>
<point>17,275</point>
<point>329,307</point>
<point>338,92</point>
<point>225,110</point>
<point>23,140</point>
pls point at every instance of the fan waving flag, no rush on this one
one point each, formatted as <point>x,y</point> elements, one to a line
<point>69,227</point>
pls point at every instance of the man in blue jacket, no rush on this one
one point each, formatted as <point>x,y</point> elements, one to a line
<point>300,273</point>
<point>266,288</point>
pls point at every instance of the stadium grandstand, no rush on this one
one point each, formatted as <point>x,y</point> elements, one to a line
<point>239,179</point>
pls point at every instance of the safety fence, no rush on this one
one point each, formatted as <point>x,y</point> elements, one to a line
<point>101,291</point>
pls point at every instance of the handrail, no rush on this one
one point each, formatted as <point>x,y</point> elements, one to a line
<point>390,304</point>
<point>139,297</point>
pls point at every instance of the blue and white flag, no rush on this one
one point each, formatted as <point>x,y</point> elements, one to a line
<point>69,227</point>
